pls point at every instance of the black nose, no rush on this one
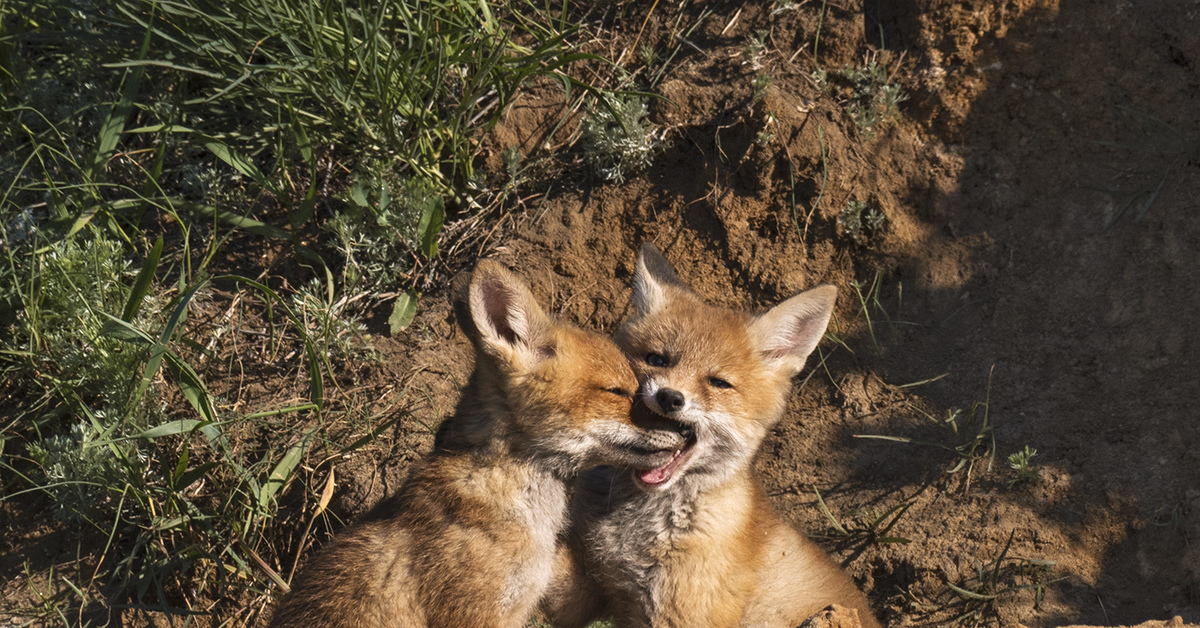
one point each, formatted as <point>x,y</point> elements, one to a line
<point>669,399</point>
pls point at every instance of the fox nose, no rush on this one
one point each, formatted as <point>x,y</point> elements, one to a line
<point>668,399</point>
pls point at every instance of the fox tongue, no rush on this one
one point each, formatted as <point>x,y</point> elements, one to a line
<point>658,475</point>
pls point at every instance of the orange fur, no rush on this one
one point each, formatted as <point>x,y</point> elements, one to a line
<point>696,543</point>
<point>470,539</point>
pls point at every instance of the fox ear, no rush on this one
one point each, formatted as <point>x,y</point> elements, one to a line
<point>790,331</point>
<point>650,279</point>
<point>508,321</point>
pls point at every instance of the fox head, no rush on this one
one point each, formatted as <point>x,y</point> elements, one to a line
<point>554,392</point>
<point>721,375</point>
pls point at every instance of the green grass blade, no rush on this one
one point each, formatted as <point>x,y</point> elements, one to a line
<point>141,285</point>
<point>237,161</point>
<point>403,311</point>
<point>829,515</point>
<point>121,330</point>
<point>194,390</point>
<point>170,428</point>
<point>283,470</point>
<point>114,124</point>
<point>430,227</point>
<point>970,594</point>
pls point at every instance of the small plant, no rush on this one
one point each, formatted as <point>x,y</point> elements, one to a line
<point>617,139</point>
<point>869,95</point>
<point>753,51</point>
<point>1167,147</point>
<point>761,83</point>
<point>648,56</point>
<point>1019,461</point>
<point>868,302</point>
<point>388,217</point>
<point>333,328</point>
<point>1176,514</point>
<point>860,222</point>
<point>77,469</point>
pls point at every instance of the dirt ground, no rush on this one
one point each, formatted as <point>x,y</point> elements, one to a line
<point>1009,280</point>
<point>1010,262</point>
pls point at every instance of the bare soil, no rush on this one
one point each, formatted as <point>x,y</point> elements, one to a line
<point>1029,126</point>
<point>1009,280</point>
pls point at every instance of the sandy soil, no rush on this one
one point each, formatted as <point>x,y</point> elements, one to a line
<point>1003,263</point>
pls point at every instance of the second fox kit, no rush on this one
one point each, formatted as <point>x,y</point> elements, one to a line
<point>470,540</point>
<point>694,542</point>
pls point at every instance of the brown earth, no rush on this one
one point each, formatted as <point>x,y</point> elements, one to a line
<point>994,268</point>
<point>1010,271</point>
<point>1029,125</point>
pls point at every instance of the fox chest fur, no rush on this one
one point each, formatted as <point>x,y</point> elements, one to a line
<point>676,558</point>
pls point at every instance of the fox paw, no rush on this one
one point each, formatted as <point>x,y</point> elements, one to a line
<point>833,616</point>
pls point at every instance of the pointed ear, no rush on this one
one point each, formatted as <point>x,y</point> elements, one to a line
<point>508,321</point>
<point>650,279</point>
<point>788,332</point>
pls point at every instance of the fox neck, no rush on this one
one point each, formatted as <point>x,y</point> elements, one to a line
<point>636,537</point>
<point>668,514</point>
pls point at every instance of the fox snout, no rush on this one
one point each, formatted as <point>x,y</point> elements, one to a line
<point>644,448</point>
<point>669,400</point>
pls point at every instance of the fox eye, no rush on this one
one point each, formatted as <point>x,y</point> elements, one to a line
<point>618,391</point>
<point>717,382</point>
<point>654,359</point>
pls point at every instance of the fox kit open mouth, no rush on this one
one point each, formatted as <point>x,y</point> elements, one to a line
<point>659,477</point>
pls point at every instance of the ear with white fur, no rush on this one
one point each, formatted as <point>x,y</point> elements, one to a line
<point>650,279</point>
<point>788,333</point>
<point>508,320</point>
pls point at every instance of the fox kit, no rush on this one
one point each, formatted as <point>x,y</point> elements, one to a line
<point>694,542</point>
<point>470,539</point>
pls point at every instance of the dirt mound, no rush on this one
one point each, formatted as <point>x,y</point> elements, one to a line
<point>1039,256</point>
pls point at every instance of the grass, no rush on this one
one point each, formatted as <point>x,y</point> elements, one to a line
<point>864,527</point>
<point>970,437</point>
<point>974,600</point>
<point>146,148</point>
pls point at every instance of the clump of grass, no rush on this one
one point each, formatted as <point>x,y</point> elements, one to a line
<point>334,329</point>
<point>973,600</point>
<point>868,302</point>
<point>1020,462</point>
<point>617,139</point>
<point>1155,140</point>
<point>860,222</point>
<point>175,493</point>
<point>130,122</point>
<point>971,435</point>
<point>867,92</point>
<point>863,527</point>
